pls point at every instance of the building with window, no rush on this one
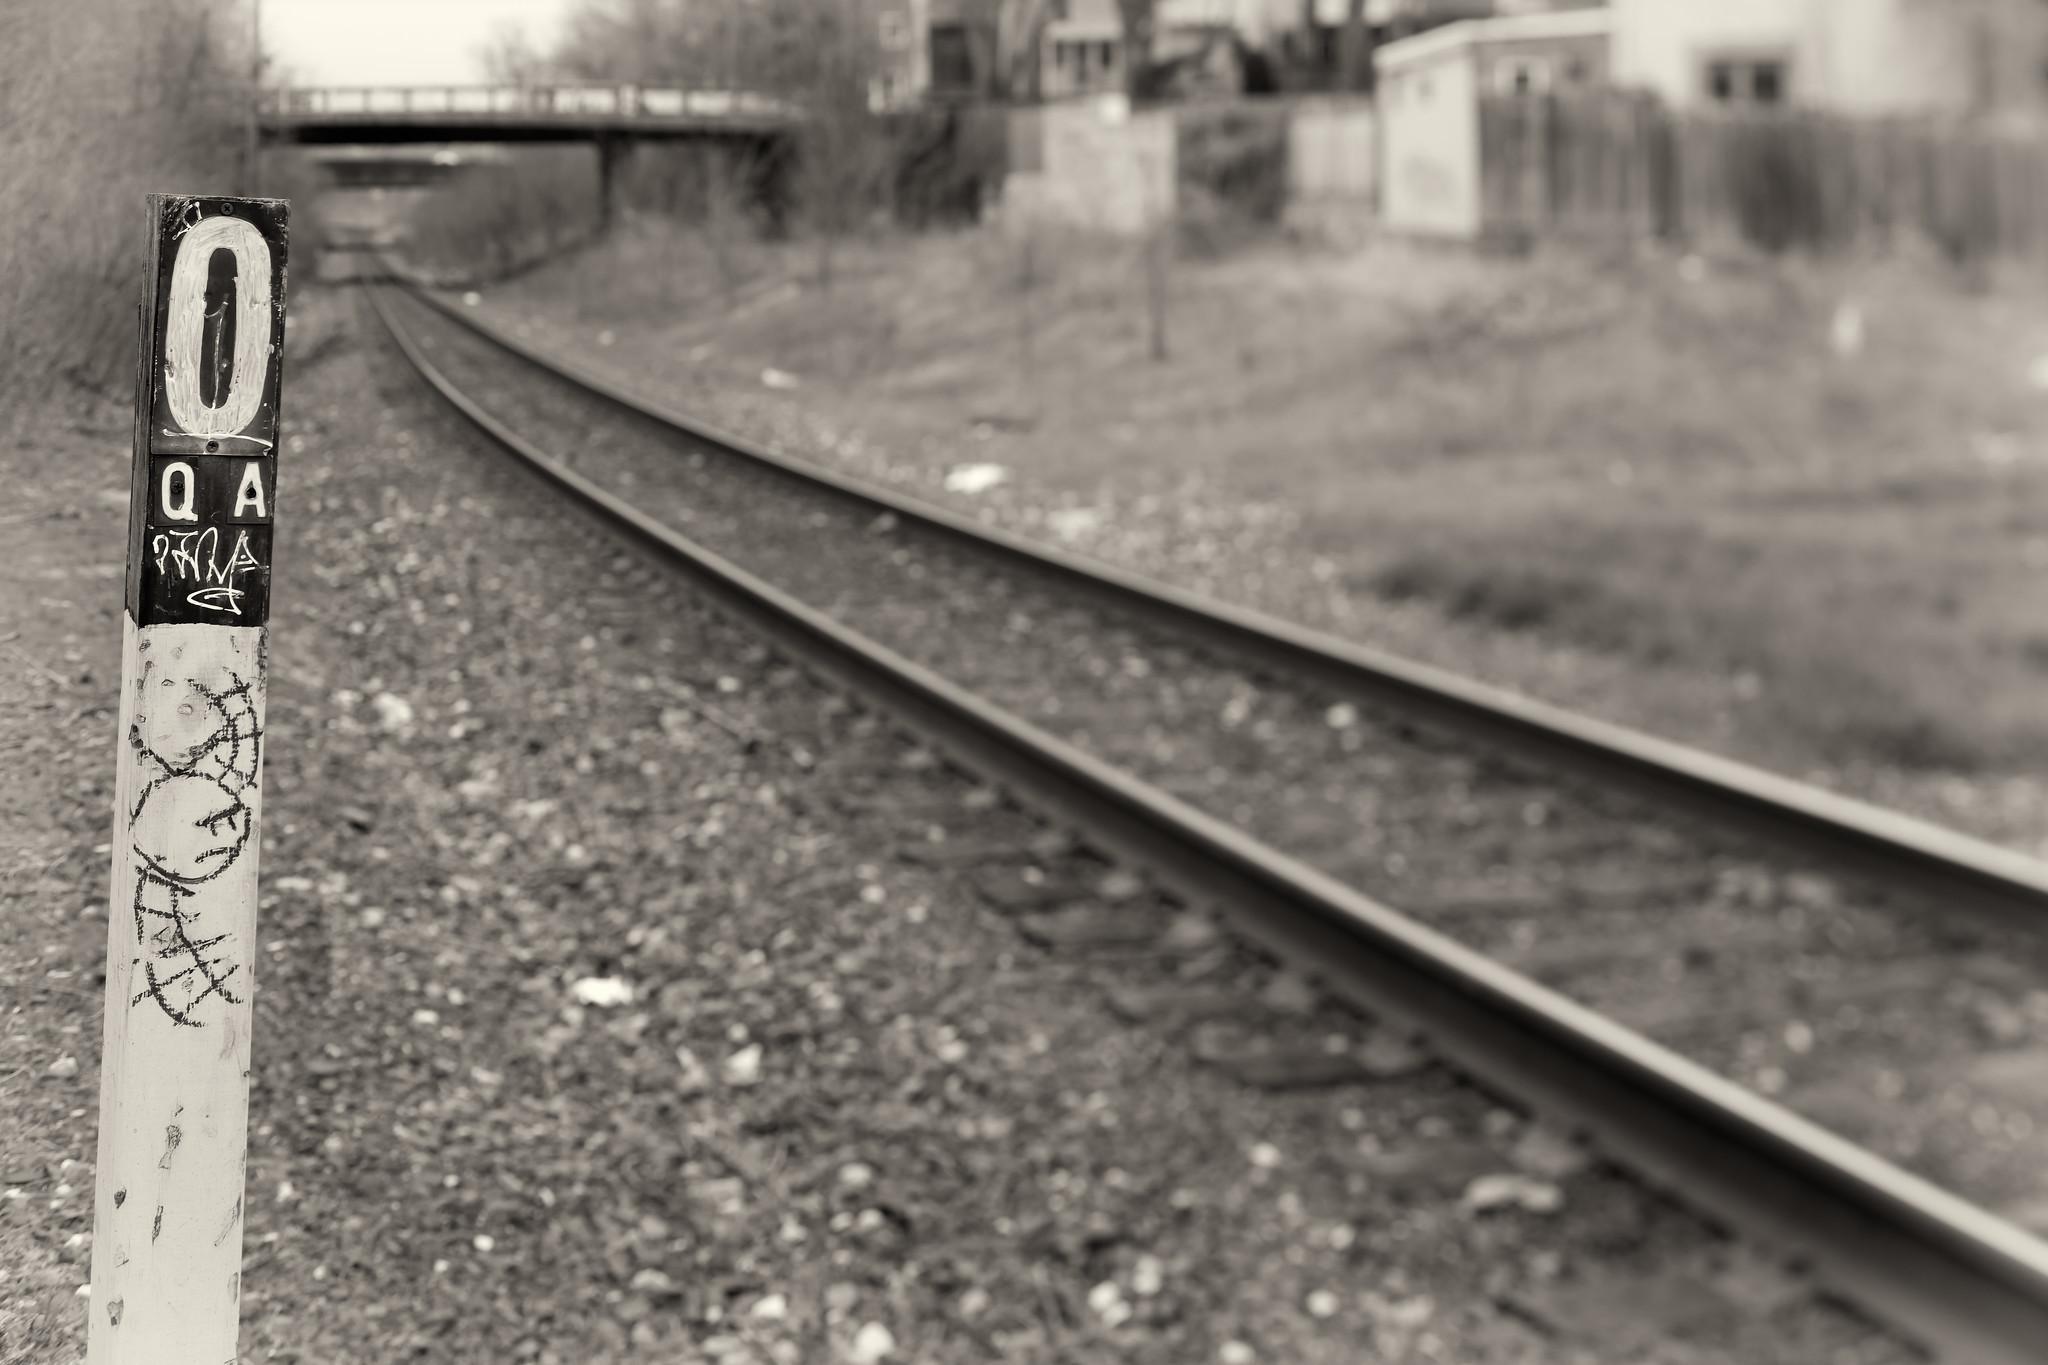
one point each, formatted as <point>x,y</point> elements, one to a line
<point>1429,89</point>
<point>1082,50</point>
<point>1857,56</point>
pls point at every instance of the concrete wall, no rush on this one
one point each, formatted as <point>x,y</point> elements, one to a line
<point>1102,168</point>
<point>1429,129</point>
<point>1333,151</point>
<point>1086,164</point>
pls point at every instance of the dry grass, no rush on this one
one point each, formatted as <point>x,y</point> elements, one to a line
<point>1808,556</point>
<point>502,218</point>
<point>102,102</point>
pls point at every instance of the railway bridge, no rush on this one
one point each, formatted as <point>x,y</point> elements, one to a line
<point>610,118</point>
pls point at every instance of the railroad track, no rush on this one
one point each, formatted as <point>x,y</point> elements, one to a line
<point>1166,704</point>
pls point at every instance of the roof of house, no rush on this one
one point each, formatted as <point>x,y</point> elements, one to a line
<point>1091,19</point>
<point>1442,42</point>
<point>1087,20</point>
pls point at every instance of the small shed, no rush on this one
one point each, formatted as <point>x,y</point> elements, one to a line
<point>1429,92</point>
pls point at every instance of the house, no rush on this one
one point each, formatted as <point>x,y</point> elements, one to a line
<point>1061,49</point>
<point>964,41</point>
<point>905,71</point>
<point>1429,89</point>
<point>1307,35</point>
<point>1081,50</point>
<point>1856,56</point>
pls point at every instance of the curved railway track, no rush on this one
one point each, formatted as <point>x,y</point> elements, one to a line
<point>1970,1286</point>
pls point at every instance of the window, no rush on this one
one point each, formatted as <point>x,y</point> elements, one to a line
<point>1108,54</point>
<point>1748,80</point>
<point>1521,75</point>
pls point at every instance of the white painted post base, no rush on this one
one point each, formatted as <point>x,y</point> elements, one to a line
<point>181,975</point>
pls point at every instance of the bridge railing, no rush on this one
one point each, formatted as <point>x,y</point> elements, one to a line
<point>519,101</point>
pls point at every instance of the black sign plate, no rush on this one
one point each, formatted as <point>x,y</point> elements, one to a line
<point>205,483</point>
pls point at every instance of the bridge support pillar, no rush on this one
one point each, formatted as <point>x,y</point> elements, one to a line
<point>612,151</point>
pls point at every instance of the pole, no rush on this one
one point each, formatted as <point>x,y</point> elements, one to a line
<point>611,152</point>
<point>181,934</point>
<point>255,152</point>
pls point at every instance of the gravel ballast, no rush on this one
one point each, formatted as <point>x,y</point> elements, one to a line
<point>1905,1029</point>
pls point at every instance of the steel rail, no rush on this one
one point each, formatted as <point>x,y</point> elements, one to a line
<point>1965,1284</point>
<point>1890,848</point>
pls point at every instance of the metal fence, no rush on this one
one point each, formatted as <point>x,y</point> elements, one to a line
<point>1614,164</point>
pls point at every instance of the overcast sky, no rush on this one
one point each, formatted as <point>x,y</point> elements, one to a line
<point>395,42</point>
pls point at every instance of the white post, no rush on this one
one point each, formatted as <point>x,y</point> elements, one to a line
<point>181,938</point>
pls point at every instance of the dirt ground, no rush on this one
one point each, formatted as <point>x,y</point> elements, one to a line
<point>1788,511</point>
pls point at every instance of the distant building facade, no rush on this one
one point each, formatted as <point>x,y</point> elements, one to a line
<point>1857,56</point>
<point>1063,49</point>
<point>1082,49</point>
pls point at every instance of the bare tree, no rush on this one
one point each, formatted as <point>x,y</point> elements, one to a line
<point>1354,50</point>
<point>508,57</point>
<point>100,100</point>
<point>824,56</point>
<point>1139,23</point>
<point>827,59</point>
<point>624,40</point>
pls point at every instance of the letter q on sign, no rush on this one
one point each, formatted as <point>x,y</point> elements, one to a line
<point>177,493</point>
<point>185,326</point>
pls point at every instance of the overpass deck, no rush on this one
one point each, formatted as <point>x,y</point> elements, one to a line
<point>548,113</point>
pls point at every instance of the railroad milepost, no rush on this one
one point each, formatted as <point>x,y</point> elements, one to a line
<point>174,1079</point>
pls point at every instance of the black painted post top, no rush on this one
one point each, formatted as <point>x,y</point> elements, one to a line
<point>204,485</point>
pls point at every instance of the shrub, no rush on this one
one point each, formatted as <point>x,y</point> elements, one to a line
<point>1773,184</point>
<point>103,101</point>
<point>946,163</point>
<point>1231,166</point>
<point>500,219</point>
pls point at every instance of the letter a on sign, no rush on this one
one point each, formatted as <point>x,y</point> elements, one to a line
<point>249,496</point>
<point>188,788</point>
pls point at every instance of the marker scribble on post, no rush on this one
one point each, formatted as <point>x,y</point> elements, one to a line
<point>192,557</point>
<point>200,750</point>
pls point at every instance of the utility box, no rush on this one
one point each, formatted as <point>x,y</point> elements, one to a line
<point>1430,87</point>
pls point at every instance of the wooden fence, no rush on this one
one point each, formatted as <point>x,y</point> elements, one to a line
<point>1620,165</point>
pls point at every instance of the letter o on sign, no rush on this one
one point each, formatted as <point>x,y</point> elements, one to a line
<point>185,324</point>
